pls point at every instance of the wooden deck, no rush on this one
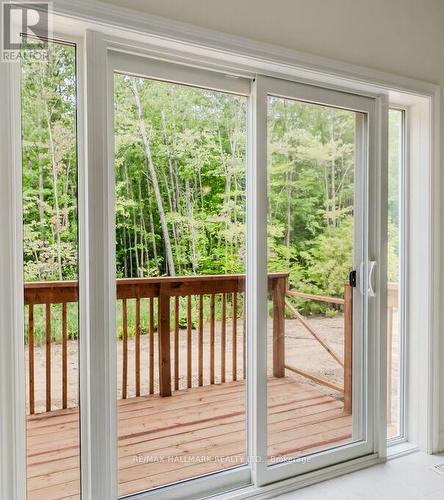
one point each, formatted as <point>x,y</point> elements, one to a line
<point>194,432</point>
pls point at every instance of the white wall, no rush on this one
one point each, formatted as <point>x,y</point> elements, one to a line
<point>404,37</point>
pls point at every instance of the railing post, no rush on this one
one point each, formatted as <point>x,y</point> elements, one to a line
<point>163,329</point>
<point>389,363</point>
<point>348,347</point>
<point>278,291</point>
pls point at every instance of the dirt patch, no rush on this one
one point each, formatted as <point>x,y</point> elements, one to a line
<point>301,351</point>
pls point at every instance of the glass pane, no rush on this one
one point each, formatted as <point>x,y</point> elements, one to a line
<point>395,341</point>
<point>180,247</point>
<point>50,267</point>
<point>311,247</point>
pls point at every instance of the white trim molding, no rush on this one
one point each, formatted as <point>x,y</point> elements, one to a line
<point>189,45</point>
<point>436,347</point>
<point>422,276</point>
<point>219,46</point>
<point>12,353</point>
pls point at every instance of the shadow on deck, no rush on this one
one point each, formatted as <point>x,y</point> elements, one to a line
<point>195,432</point>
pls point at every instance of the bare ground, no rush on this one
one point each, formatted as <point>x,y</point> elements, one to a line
<point>301,351</point>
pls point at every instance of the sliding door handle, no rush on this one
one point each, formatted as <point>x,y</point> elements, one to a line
<point>358,280</point>
<point>371,272</point>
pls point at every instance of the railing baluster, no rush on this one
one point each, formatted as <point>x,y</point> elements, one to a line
<point>137,346</point>
<point>278,295</point>
<point>48,356</point>
<point>151,344</point>
<point>200,360</point>
<point>164,344</point>
<point>176,343</point>
<point>189,340</point>
<point>124,348</point>
<point>223,338</point>
<point>212,339</point>
<point>64,357</point>
<point>31,358</point>
<point>244,341</point>
<point>348,348</point>
<point>234,341</point>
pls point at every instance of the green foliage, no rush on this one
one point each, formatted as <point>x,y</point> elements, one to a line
<point>311,196</point>
<point>395,157</point>
<point>180,182</point>
<point>196,140</point>
<point>50,165</point>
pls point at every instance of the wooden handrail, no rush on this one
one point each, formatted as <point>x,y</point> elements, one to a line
<point>315,378</point>
<point>314,333</point>
<point>316,298</point>
<point>58,292</point>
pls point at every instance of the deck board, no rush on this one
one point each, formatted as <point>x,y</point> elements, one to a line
<point>176,431</point>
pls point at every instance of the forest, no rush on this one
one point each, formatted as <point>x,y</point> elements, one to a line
<point>180,181</point>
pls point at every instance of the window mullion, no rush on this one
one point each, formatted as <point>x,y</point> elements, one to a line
<point>99,435</point>
<point>257,280</point>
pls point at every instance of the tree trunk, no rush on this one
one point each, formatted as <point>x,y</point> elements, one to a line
<point>143,242</point>
<point>289,179</point>
<point>55,190</point>
<point>128,196</point>
<point>151,219</point>
<point>41,189</point>
<point>191,225</point>
<point>154,180</point>
<point>41,204</point>
<point>125,258</point>
<point>333,173</point>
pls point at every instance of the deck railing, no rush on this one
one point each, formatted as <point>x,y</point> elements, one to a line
<point>344,361</point>
<point>392,305</point>
<point>164,300</point>
<point>47,294</point>
<point>163,296</point>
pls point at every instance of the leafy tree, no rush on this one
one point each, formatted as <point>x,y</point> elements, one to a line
<point>180,171</point>
<point>50,165</point>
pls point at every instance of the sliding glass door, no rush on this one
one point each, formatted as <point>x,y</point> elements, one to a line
<point>320,329</point>
<point>180,180</point>
<point>188,215</point>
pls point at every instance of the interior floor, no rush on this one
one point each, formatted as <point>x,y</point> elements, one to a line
<point>410,477</point>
